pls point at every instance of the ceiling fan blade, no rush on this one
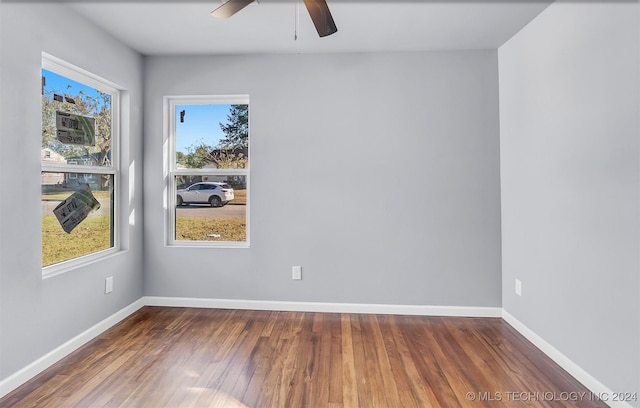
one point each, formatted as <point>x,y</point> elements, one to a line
<point>321,17</point>
<point>230,8</point>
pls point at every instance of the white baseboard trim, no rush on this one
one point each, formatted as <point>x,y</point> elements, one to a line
<point>25,374</point>
<point>457,311</point>
<point>596,387</point>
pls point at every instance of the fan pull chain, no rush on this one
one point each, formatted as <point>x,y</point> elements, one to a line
<point>297,21</point>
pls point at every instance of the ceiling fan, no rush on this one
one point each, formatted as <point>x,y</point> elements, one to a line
<point>318,10</point>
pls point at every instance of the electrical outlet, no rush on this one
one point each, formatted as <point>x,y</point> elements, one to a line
<point>108,285</point>
<point>518,287</point>
<point>296,272</point>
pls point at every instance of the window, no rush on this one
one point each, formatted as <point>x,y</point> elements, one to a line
<point>79,166</point>
<point>208,164</point>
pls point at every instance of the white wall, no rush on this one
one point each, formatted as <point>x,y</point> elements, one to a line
<point>377,173</point>
<point>39,315</point>
<point>569,104</point>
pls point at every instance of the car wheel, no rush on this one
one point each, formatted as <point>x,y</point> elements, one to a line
<point>179,201</point>
<point>215,201</point>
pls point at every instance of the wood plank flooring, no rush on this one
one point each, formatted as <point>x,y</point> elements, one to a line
<point>183,357</point>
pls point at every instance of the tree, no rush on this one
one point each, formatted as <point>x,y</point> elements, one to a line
<point>181,158</point>
<point>199,155</point>
<point>97,106</point>
<point>237,127</point>
<point>231,151</point>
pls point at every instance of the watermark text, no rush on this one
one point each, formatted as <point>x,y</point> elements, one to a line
<point>542,396</point>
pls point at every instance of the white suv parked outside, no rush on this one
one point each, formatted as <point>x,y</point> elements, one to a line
<point>207,192</point>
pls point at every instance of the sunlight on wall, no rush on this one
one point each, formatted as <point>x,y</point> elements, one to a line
<point>132,179</point>
<point>165,172</point>
<point>165,154</point>
<point>132,189</point>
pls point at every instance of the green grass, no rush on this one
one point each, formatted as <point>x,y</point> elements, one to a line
<point>92,235</point>
<point>199,229</point>
<point>61,195</point>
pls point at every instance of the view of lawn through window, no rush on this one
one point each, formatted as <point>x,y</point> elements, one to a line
<point>210,171</point>
<point>77,168</point>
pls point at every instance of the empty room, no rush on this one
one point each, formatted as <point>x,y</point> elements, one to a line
<point>300,203</point>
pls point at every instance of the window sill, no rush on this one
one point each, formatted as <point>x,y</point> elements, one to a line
<point>76,263</point>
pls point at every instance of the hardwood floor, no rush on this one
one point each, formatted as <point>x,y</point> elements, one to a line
<point>181,357</point>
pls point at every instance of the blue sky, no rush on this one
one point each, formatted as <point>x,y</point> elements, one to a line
<point>201,123</point>
<point>60,85</point>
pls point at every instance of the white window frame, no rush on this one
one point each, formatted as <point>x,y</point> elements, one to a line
<point>171,171</point>
<point>77,74</point>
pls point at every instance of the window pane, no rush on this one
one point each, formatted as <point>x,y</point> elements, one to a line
<point>77,215</point>
<point>214,136</point>
<point>76,122</point>
<point>211,208</point>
